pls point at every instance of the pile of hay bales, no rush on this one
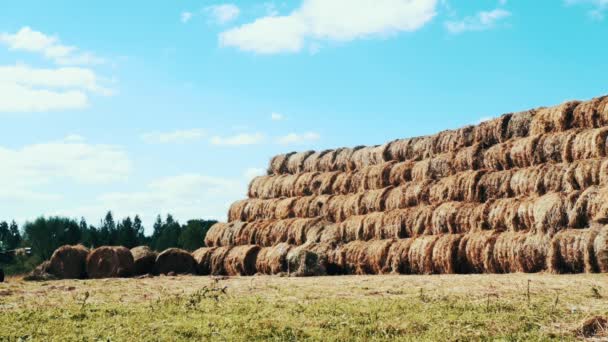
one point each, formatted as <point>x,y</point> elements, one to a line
<point>525,192</point>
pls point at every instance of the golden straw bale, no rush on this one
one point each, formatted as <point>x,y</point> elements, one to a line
<point>113,262</point>
<point>144,260</point>
<point>214,234</point>
<point>258,185</point>
<point>521,252</point>
<point>591,114</point>
<point>519,125</point>
<point>217,260</point>
<point>402,149</point>
<point>269,233</point>
<point>421,254</point>
<point>273,260</point>
<point>283,209</point>
<point>175,260</point>
<point>452,140</point>
<point>295,163</point>
<point>436,167</point>
<point>357,182</point>
<point>456,217</point>
<point>553,119</point>
<point>552,179</point>
<point>331,234</point>
<point>351,206</point>
<point>600,247</point>
<point>468,158</point>
<point>343,160</point>
<point>373,227</point>
<point>236,211</point>
<point>318,205</point>
<point>422,148</point>
<point>590,144</point>
<point>572,251</point>
<point>401,173</point>
<point>247,234</point>
<point>460,187</point>
<point>408,195</point>
<point>476,252</point>
<point>311,164</point>
<point>550,213</point>
<point>69,262</point>
<point>527,181</point>
<point>300,230</point>
<point>241,260</point>
<point>398,256</point>
<point>322,183</point>
<point>202,260</point>
<point>498,157</point>
<point>510,214</point>
<point>373,200</point>
<point>411,222</point>
<point>343,183</point>
<point>523,150</point>
<point>505,252</point>
<point>492,131</point>
<point>301,206</point>
<point>581,174</point>
<point>351,229</point>
<point>493,185</point>
<point>278,164</point>
<point>326,162</point>
<point>302,186</point>
<point>554,148</point>
<point>445,254</point>
<point>368,156</point>
<point>365,257</point>
<point>283,186</point>
<point>395,222</point>
<point>377,176</point>
<point>585,207</point>
<point>333,208</point>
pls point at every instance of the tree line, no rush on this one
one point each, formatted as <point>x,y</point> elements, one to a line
<point>45,234</point>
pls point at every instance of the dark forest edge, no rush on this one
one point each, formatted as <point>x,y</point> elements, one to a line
<point>45,234</point>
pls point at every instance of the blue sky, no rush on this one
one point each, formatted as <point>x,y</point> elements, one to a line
<point>172,106</point>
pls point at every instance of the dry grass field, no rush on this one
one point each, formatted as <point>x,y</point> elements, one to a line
<point>360,308</point>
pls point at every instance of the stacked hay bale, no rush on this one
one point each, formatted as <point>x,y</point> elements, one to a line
<point>519,193</point>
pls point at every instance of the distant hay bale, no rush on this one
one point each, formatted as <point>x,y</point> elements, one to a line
<point>202,260</point>
<point>493,185</point>
<point>401,173</point>
<point>373,200</point>
<point>365,257</point>
<point>456,218</point>
<point>590,144</point>
<point>410,222</point>
<point>278,164</point>
<point>600,246</point>
<point>492,131</point>
<point>553,119</point>
<point>519,124</point>
<point>591,114</point>
<point>520,252</point>
<point>303,185</point>
<point>326,162</point>
<point>554,148</point>
<point>110,262</point>
<point>398,256</point>
<point>572,251</point>
<point>144,260</point>
<point>250,232</point>
<point>402,149</point>
<point>452,140</point>
<point>295,163</point>
<point>217,260</point>
<point>283,209</point>
<point>408,195</point>
<point>460,187</point>
<point>319,205</point>
<point>343,184</point>
<point>268,233</point>
<point>311,164</point>
<point>527,181</point>
<point>445,254</point>
<point>581,174</point>
<point>236,211</point>
<point>476,252</point>
<point>550,213</point>
<point>301,230</point>
<point>224,234</point>
<point>343,160</point>
<point>322,183</point>
<point>377,176</point>
<point>175,260</point>
<point>214,234</point>
<point>523,150</point>
<point>273,260</point>
<point>510,214</point>
<point>498,157</point>
<point>468,158</point>
<point>368,156</point>
<point>433,168</point>
<point>69,262</point>
<point>241,260</point>
<point>304,262</point>
<point>421,254</point>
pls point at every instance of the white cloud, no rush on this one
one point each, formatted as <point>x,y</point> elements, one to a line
<point>27,89</point>
<point>178,136</point>
<point>185,17</point>
<point>483,20</point>
<point>238,140</point>
<point>338,20</point>
<point>276,117</point>
<point>71,159</point>
<point>224,13</point>
<point>50,47</point>
<point>294,138</point>
<point>598,7</point>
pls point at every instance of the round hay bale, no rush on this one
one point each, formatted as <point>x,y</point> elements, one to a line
<point>311,164</point>
<point>572,251</point>
<point>600,247</point>
<point>302,205</point>
<point>476,252</point>
<point>202,260</point>
<point>554,148</point>
<point>284,209</point>
<point>398,256</point>
<point>319,206</point>
<point>445,254</point>
<point>581,174</point>
<point>343,183</point>
<point>422,148</point>
<point>527,181</point>
<point>359,257</point>
<point>591,114</point>
<point>452,140</point>
<point>402,149</point>
<point>590,144</point>
<point>591,205</point>
<point>410,222</point>
<point>69,262</point>
<point>468,158</point>
<point>553,119</point>
<point>327,254</point>
<point>351,206</point>
<point>175,260</point>
<point>327,161</point>
<point>401,173</point>
<point>110,262</point>
<point>377,176</point>
<point>295,163</point>
<point>550,213</point>
<point>552,179</point>
<point>237,210</point>
<point>214,235</point>
<point>498,157</point>
<point>368,156</point>
<point>343,160</point>
<point>460,187</point>
<point>408,195</point>
<point>373,200</point>
<point>144,260</point>
<point>523,151</point>
<point>505,253</point>
<point>303,262</point>
<point>374,228</point>
<point>456,218</point>
<point>421,254</point>
<point>303,185</point>
<point>322,183</point>
<point>492,131</point>
<point>278,164</point>
<point>217,260</point>
<point>351,229</point>
<point>433,168</point>
<point>273,260</point>
<point>241,260</point>
<point>493,185</point>
<point>519,125</point>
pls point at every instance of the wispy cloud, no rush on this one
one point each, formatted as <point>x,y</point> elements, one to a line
<point>338,20</point>
<point>297,139</point>
<point>223,14</point>
<point>482,21</point>
<point>238,140</point>
<point>185,17</point>
<point>276,117</point>
<point>597,7</point>
<point>178,136</point>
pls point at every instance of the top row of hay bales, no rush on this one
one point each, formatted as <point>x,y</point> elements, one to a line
<point>570,115</point>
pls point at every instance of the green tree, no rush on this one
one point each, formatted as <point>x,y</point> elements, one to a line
<point>45,235</point>
<point>108,233</point>
<point>166,234</point>
<point>193,234</point>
